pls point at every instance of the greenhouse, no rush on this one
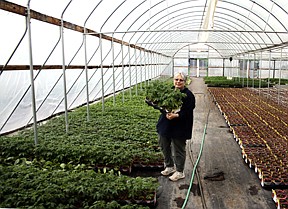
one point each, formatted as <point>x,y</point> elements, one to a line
<point>78,103</point>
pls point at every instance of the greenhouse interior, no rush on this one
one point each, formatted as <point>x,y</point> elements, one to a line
<point>76,130</point>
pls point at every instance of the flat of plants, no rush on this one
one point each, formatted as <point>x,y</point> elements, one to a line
<point>260,127</point>
<point>240,82</point>
<point>95,165</point>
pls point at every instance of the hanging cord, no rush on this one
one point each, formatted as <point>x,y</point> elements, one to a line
<point>195,168</point>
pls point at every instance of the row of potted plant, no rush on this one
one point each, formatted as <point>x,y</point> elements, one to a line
<point>260,127</point>
<point>112,143</point>
<point>118,137</point>
<point>235,82</point>
<point>27,186</point>
<point>251,123</point>
<point>280,197</point>
<point>277,95</point>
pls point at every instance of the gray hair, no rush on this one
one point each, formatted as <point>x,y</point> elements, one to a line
<point>181,74</point>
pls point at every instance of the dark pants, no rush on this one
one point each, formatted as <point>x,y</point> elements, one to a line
<point>174,151</point>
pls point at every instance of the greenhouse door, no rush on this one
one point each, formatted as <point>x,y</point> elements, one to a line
<point>198,67</point>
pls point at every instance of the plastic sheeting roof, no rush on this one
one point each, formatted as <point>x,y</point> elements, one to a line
<point>165,26</point>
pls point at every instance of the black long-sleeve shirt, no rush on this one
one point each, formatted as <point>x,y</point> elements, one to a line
<point>180,127</point>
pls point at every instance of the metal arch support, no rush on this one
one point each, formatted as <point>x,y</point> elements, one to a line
<point>125,16</point>
<point>129,69</point>
<point>243,31</point>
<point>32,75</point>
<point>273,14</point>
<point>249,27</point>
<point>141,66</point>
<point>86,62</point>
<point>154,23</point>
<point>86,75</point>
<point>112,14</point>
<point>161,11</point>
<point>258,15</point>
<point>113,68</point>
<point>193,44</point>
<point>123,77</point>
<point>142,15</point>
<point>102,76</point>
<point>1,71</point>
<point>230,48</point>
<point>136,71</point>
<point>150,38</point>
<point>12,54</point>
<point>64,68</point>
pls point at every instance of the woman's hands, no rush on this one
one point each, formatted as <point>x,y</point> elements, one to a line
<point>171,116</point>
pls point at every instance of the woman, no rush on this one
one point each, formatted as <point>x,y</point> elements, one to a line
<point>174,129</point>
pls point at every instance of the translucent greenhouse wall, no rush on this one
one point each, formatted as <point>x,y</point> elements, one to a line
<point>181,65</point>
<point>201,65</point>
<point>120,67</point>
<point>207,62</point>
<point>16,111</point>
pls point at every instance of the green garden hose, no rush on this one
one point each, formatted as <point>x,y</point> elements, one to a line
<point>197,161</point>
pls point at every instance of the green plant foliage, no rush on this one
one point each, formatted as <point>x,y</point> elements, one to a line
<point>213,78</point>
<point>164,95</point>
<point>236,82</point>
<point>61,166</point>
<point>276,81</point>
<point>26,186</point>
<point>224,83</point>
<point>114,137</point>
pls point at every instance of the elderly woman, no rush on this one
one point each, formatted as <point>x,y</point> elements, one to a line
<point>174,129</point>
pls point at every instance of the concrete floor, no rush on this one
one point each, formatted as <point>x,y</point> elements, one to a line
<point>226,181</point>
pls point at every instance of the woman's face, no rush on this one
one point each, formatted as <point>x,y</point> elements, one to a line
<point>179,82</point>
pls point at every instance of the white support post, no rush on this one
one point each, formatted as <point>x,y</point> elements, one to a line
<point>198,70</point>
<point>32,75</point>
<point>102,74</point>
<point>64,69</point>
<point>135,52</point>
<point>123,79</point>
<point>113,68</point>
<point>130,83</point>
<point>86,75</point>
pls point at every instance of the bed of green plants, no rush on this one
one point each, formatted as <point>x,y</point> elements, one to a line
<point>276,81</point>
<point>236,82</point>
<point>28,186</point>
<point>220,81</point>
<point>60,170</point>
